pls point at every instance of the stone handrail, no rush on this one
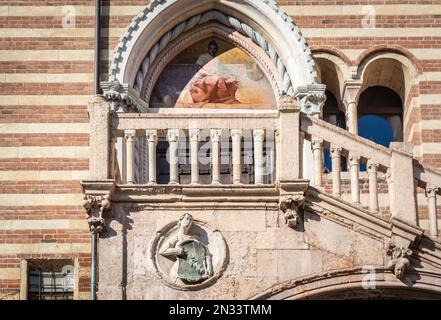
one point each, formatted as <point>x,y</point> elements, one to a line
<point>402,170</point>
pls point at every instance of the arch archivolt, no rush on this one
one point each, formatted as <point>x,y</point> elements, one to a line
<point>263,22</point>
<point>362,279</point>
<point>209,30</point>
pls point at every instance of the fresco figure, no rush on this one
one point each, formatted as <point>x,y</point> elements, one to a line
<point>210,86</point>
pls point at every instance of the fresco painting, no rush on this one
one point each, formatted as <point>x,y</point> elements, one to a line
<point>213,74</point>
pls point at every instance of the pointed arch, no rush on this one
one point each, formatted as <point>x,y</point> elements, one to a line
<point>163,21</point>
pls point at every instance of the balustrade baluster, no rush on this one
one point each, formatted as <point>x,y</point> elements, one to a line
<point>194,151</point>
<point>258,137</point>
<point>336,168</point>
<point>431,192</point>
<point>216,135</point>
<point>236,137</point>
<point>372,169</point>
<point>130,137</point>
<point>152,138</point>
<point>316,145</point>
<point>173,139</point>
<point>354,165</point>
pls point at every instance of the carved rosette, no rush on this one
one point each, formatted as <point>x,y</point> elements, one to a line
<point>96,207</point>
<point>399,259</point>
<point>291,205</point>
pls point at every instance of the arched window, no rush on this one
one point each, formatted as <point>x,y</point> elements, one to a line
<point>212,74</point>
<point>380,115</point>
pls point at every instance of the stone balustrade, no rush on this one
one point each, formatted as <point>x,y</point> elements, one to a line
<point>402,171</point>
<point>221,140</point>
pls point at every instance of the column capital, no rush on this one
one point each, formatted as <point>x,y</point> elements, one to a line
<point>312,98</point>
<point>152,135</point>
<point>335,151</point>
<point>258,134</point>
<point>431,190</point>
<point>173,135</point>
<point>316,143</point>
<point>372,167</point>
<point>236,133</point>
<point>215,135</point>
<point>129,133</point>
<point>351,91</point>
<point>354,159</point>
<point>194,134</point>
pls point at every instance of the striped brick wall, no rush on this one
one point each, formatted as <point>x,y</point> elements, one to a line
<point>46,78</point>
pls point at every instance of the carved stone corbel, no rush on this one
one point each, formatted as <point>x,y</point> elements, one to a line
<point>97,202</point>
<point>312,99</point>
<point>291,205</point>
<point>399,261</point>
<point>96,208</point>
<point>118,97</point>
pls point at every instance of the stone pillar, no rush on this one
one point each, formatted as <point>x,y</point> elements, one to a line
<point>194,152</point>
<point>372,169</point>
<point>354,168</point>
<point>402,195</point>
<point>173,139</point>
<point>152,140</point>
<point>130,138</point>
<point>351,92</point>
<point>287,139</point>
<point>216,136</point>
<point>431,192</point>
<point>336,168</point>
<point>99,133</point>
<point>236,137</point>
<point>258,137</point>
<point>316,145</point>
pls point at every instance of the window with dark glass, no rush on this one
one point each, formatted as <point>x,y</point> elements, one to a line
<point>50,279</point>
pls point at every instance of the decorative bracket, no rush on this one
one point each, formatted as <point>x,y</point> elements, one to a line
<point>399,259</point>
<point>312,98</point>
<point>97,203</point>
<point>292,205</point>
<point>399,248</point>
<point>118,97</point>
<point>96,209</point>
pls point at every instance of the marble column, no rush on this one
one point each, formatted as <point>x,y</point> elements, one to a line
<point>173,140</point>
<point>152,140</point>
<point>236,137</point>
<point>354,168</point>
<point>258,138</point>
<point>194,152</point>
<point>372,169</point>
<point>336,168</point>
<point>431,192</point>
<point>316,145</point>
<point>216,136</point>
<point>351,92</point>
<point>130,138</point>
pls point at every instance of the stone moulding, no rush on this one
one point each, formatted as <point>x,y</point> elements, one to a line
<point>265,8</point>
<point>346,279</point>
